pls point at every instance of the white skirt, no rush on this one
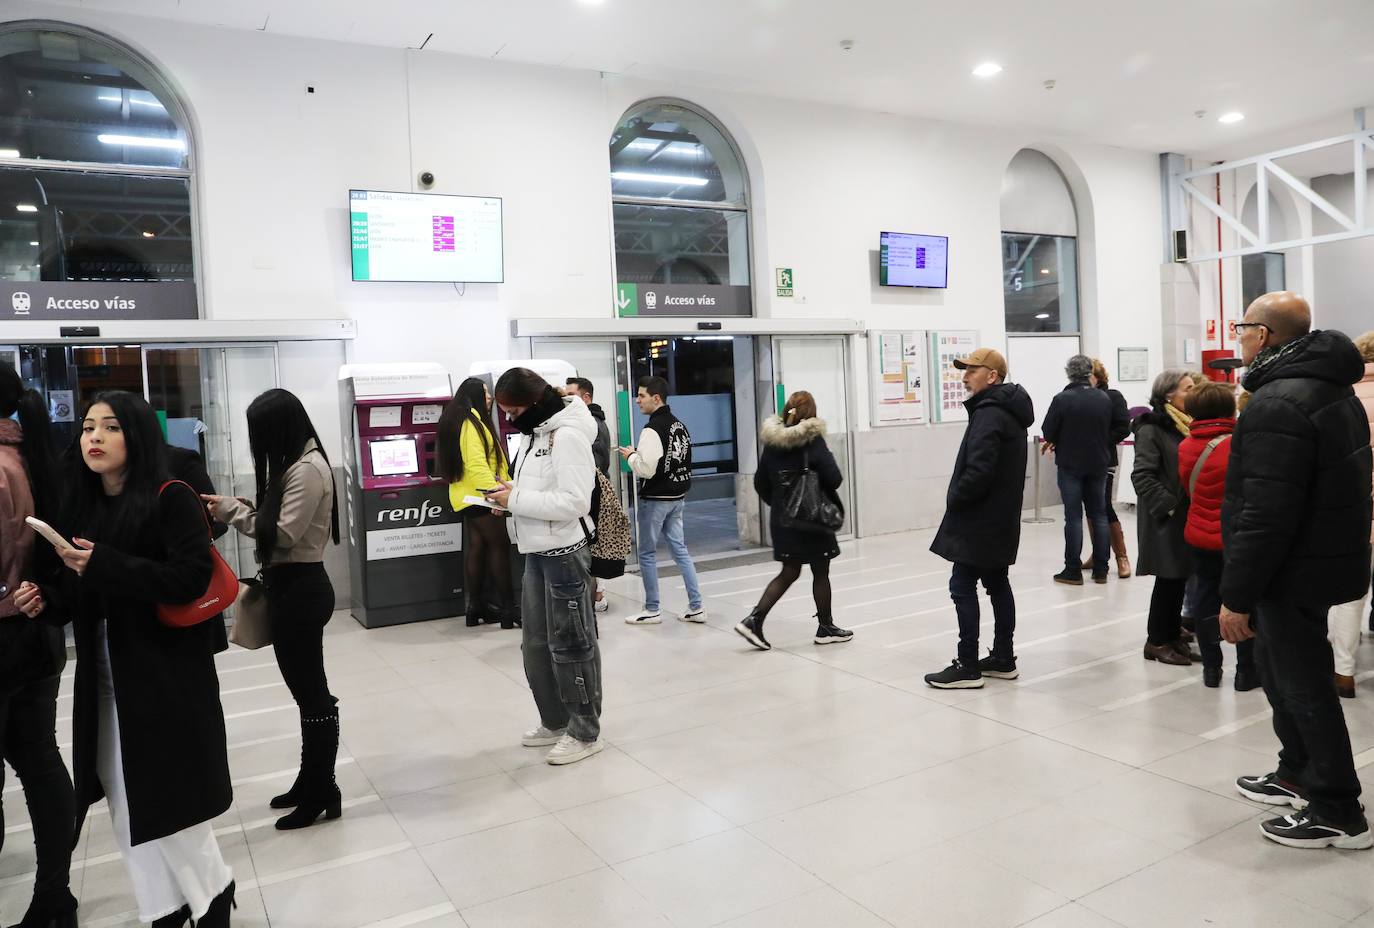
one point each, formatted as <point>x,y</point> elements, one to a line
<point>181,869</point>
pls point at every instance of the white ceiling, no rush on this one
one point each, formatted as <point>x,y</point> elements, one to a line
<point>1127,72</point>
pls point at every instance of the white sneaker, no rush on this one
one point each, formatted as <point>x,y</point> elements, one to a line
<point>644,618</point>
<point>697,615</point>
<point>601,605</point>
<point>569,750</point>
<point>541,737</point>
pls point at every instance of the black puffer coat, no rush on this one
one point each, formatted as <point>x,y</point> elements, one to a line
<point>785,448</point>
<point>1162,503</point>
<point>1079,425</point>
<point>982,523</point>
<point>1295,522</point>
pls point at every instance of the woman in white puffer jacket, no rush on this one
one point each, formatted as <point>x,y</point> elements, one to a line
<point>549,499</point>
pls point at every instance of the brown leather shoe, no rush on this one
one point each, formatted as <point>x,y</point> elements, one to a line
<point>1123,566</point>
<point>1345,686</point>
<point>1165,654</point>
<point>1123,562</point>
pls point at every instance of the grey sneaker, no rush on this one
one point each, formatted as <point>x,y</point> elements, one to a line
<point>569,750</point>
<point>541,737</point>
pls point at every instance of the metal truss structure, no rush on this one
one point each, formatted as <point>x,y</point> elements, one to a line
<point>1360,144</point>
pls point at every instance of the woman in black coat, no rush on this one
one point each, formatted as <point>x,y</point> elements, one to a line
<point>148,729</point>
<point>791,443</point>
<point>1162,513</point>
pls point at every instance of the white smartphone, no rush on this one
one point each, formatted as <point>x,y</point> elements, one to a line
<point>50,533</point>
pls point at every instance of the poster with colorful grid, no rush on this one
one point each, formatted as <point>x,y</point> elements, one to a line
<point>948,379</point>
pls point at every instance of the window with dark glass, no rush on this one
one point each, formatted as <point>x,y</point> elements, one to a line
<point>1260,274</point>
<point>1040,282</point>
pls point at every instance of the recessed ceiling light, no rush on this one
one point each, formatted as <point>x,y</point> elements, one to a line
<point>26,207</point>
<point>148,234</point>
<point>1042,315</point>
<point>591,2</point>
<point>1228,118</point>
<point>1044,270</point>
<point>987,69</point>
<point>33,243</point>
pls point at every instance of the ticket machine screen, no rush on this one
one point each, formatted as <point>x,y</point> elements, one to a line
<point>394,457</point>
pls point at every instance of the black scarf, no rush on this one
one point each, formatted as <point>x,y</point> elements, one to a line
<point>549,406</point>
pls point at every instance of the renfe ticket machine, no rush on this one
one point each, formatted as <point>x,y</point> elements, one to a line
<point>404,539</point>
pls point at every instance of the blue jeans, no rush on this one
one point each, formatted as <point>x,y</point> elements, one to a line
<point>664,517</point>
<point>1082,491</point>
<point>963,589</point>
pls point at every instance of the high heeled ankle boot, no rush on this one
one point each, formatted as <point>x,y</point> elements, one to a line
<point>50,911</point>
<point>319,792</point>
<point>217,916</point>
<point>177,919</point>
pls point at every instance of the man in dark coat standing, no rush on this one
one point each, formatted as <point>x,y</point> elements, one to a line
<point>1078,428</point>
<point>1295,529</point>
<point>981,530</point>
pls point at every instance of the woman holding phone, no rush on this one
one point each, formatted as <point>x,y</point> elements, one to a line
<point>295,519</point>
<point>32,654</point>
<point>472,461</point>
<point>147,725</point>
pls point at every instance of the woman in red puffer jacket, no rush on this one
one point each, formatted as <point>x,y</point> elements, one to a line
<point>1202,460</point>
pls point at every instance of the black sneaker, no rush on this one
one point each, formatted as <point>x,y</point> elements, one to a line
<point>751,630</point>
<point>1303,829</point>
<point>1270,790</point>
<point>1069,576</point>
<point>956,677</point>
<point>1003,668</point>
<point>832,634</point>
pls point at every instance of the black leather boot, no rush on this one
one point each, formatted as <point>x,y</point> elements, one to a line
<point>217,916</point>
<point>50,911</point>
<point>1209,646</point>
<point>291,797</point>
<point>319,792</point>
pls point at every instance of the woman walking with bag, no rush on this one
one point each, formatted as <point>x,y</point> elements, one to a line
<point>549,499</point>
<point>793,443</point>
<point>296,517</point>
<point>147,726</point>
<point>32,654</point>
<point>472,460</point>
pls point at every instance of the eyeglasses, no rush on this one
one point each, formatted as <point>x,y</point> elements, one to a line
<point>1249,325</point>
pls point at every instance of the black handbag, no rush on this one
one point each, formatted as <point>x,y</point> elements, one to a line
<point>806,507</point>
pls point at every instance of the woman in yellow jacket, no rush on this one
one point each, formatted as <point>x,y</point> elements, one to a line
<point>472,460</point>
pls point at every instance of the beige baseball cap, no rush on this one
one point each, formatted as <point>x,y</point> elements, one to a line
<point>990,358</point>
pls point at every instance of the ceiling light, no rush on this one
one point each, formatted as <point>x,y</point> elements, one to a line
<point>1044,270</point>
<point>1228,118</point>
<point>987,69</point>
<point>672,179</point>
<point>591,2</point>
<point>9,153</point>
<point>35,244</point>
<point>142,141</point>
<point>148,234</point>
<point>109,99</point>
<point>1042,315</point>
<point>26,207</point>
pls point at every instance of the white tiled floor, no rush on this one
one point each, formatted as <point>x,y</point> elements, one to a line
<point>802,787</point>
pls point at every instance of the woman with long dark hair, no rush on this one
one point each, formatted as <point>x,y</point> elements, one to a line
<point>549,498</point>
<point>295,519</point>
<point>147,725</point>
<point>32,654</point>
<point>472,460</point>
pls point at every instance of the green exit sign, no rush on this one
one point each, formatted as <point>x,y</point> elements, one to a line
<point>784,279</point>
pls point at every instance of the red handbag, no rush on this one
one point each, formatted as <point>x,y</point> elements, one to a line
<point>224,584</point>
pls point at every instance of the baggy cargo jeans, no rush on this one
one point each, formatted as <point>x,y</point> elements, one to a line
<point>559,642</point>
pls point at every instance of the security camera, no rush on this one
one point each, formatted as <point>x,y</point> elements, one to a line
<point>426,179</point>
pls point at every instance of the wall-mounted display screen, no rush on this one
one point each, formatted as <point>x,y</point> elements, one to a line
<point>426,237</point>
<point>906,260</point>
<point>394,457</point>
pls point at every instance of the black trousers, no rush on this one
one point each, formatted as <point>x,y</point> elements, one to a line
<point>1166,608</point>
<point>1296,666</point>
<point>1207,570</point>
<point>963,590</point>
<point>28,739</point>
<point>300,602</point>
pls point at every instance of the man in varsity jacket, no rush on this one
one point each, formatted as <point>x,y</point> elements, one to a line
<point>663,462</point>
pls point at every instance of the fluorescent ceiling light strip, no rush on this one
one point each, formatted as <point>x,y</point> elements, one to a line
<point>141,141</point>
<point>109,99</point>
<point>26,207</point>
<point>9,153</point>
<point>672,179</point>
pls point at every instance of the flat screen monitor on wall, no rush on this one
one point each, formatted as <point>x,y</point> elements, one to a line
<point>426,237</point>
<point>906,260</point>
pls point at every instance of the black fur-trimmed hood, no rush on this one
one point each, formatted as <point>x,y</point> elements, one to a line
<point>777,435</point>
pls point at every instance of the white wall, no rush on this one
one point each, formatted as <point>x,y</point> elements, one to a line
<point>275,165</point>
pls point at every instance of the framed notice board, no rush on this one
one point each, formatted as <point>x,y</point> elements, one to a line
<point>897,385</point>
<point>948,381</point>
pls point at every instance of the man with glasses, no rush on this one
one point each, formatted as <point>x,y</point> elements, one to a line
<point>1295,531</point>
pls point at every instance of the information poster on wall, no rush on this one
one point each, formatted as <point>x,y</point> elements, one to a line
<point>949,380</point>
<point>898,386</point>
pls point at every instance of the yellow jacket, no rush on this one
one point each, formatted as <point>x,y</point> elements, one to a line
<point>480,471</point>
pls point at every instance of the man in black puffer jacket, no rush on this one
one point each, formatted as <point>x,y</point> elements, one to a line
<point>1295,526</point>
<point>981,530</point>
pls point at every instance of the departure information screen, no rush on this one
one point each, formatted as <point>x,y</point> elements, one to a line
<point>906,260</point>
<point>426,237</point>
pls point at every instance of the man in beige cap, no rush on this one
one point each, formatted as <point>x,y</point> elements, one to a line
<point>981,530</point>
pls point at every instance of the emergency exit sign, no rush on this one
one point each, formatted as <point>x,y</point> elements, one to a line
<point>784,276</point>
